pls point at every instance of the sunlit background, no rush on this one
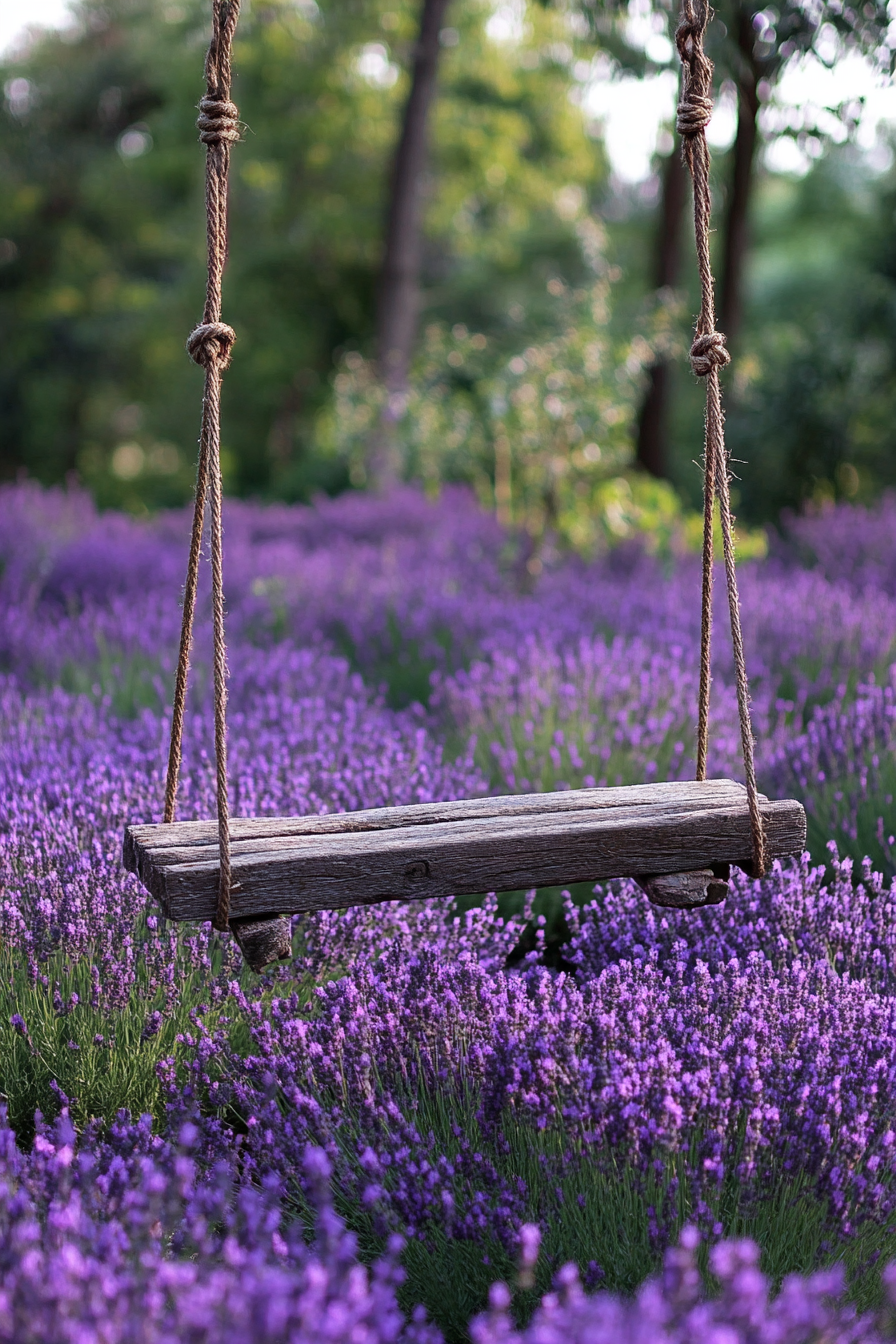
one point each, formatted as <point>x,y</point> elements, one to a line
<point>548,370</point>
<point>632,111</point>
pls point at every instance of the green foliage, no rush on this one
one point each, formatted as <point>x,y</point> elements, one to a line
<point>102,259</point>
<point>97,1048</point>
<point>129,682</point>
<point>102,221</point>
<point>813,389</point>
<point>441,423</point>
<point>544,435</point>
<point>600,1218</point>
<point>543,432</point>
<point>563,414</point>
<point>68,1047</point>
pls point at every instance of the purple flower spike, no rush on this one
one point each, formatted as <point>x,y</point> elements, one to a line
<point>407,1050</point>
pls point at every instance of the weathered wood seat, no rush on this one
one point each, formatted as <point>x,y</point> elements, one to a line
<point>676,839</point>
<point>290,864</point>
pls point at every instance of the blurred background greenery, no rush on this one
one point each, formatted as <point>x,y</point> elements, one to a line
<point>541,323</point>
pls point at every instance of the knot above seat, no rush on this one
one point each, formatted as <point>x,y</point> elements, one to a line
<point>694,113</point>
<point>210,343</point>
<point>218,121</point>
<point>709,352</point>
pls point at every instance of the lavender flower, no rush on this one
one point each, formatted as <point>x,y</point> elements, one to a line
<point>672,1309</point>
<point>405,1058</point>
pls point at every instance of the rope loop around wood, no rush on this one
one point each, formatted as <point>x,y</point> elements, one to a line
<point>708,355</point>
<point>210,345</point>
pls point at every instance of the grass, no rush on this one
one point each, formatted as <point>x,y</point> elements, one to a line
<point>100,1061</point>
<point>603,1215</point>
<point>128,682</point>
<point>564,741</point>
<point>100,1058</point>
<point>398,666</point>
<point>96,1060</point>
<point>857,813</point>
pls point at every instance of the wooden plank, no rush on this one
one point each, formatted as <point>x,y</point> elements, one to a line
<point>264,940</point>
<point>687,891</point>
<point>276,844</point>
<point>299,872</point>
<point>180,834</point>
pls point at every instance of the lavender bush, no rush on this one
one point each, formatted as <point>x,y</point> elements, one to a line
<point>845,763</point>
<point>728,1071</point>
<point>126,1238</point>
<point>131,1238</point>
<point>666,1081</point>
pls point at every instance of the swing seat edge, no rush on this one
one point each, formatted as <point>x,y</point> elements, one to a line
<point>301,864</point>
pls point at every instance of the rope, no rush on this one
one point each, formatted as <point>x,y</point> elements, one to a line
<point>210,345</point>
<point>708,355</point>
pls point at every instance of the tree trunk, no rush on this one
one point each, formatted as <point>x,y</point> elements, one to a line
<point>653,426</point>
<point>399,289</point>
<point>503,477</point>
<point>736,224</point>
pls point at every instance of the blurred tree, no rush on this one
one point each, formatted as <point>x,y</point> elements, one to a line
<point>653,421</point>
<point>754,49</point>
<point>104,208</point>
<point>102,221</point>
<point>750,46</point>
<point>398,299</point>
<point>544,434</point>
<point>813,404</point>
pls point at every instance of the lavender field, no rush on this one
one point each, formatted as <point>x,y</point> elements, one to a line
<point>437,1106</point>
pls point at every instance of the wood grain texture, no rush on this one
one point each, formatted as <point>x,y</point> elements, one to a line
<point>440,849</point>
<point>374,841</point>
<point>685,891</point>
<point>264,940</point>
<point>182,834</point>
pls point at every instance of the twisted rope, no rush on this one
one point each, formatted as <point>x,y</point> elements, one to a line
<point>210,345</point>
<point>708,355</point>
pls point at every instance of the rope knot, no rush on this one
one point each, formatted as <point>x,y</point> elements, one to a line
<point>211,343</point>
<point>709,352</point>
<point>218,121</point>
<point>694,113</point>
<point>689,35</point>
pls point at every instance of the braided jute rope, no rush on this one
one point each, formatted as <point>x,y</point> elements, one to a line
<point>708,355</point>
<point>210,346</point>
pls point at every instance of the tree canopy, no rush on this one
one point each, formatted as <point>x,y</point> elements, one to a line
<point>102,259</point>
<point>102,213</point>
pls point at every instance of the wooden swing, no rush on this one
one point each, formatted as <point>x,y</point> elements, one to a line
<point>677,839</point>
